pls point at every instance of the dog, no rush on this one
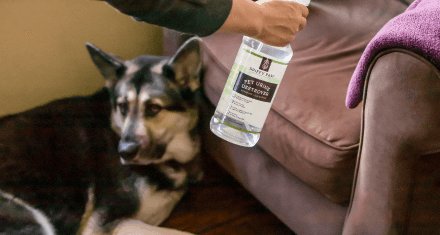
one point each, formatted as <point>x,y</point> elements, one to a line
<point>113,162</point>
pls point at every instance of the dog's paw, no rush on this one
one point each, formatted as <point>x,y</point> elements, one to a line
<point>137,227</point>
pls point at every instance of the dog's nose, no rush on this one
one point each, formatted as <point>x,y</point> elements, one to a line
<point>128,150</point>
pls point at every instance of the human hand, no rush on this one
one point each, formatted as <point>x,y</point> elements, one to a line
<point>274,23</point>
<point>280,21</point>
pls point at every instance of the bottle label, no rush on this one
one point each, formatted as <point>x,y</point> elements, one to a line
<point>250,89</point>
<point>254,88</point>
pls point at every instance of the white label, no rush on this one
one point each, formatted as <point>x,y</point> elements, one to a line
<point>250,89</point>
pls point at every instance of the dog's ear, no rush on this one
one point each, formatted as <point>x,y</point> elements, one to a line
<point>185,66</point>
<point>110,66</point>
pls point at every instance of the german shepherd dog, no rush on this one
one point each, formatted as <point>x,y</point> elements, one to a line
<point>114,162</point>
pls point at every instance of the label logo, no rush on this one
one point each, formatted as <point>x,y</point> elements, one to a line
<point>265,64</point>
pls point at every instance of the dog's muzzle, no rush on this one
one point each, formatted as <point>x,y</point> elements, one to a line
<point>130,153</point>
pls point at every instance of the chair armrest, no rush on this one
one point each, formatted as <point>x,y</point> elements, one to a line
<point>396,189</point>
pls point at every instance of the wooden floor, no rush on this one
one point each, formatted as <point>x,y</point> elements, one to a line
<point>221,206</point>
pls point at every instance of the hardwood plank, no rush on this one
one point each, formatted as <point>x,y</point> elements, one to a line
<point>220,205</point>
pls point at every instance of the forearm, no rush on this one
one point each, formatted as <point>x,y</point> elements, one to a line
<point>245,17</point>
<point>199,17</point>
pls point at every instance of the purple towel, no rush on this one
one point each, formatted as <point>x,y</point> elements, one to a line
<point>417,30</point>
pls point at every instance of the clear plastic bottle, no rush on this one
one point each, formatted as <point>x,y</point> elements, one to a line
<point>248,94</point>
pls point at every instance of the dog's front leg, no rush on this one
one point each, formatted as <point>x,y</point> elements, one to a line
<point>155,205</point>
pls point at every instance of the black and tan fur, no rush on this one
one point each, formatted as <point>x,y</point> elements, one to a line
<point>106,162</point>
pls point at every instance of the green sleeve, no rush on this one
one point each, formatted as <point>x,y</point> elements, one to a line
<point>199,17</point>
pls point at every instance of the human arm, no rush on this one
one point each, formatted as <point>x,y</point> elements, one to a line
<point>199,17</point>
<point>274,23</point>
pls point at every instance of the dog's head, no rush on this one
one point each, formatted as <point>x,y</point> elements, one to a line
<point>153,103</point>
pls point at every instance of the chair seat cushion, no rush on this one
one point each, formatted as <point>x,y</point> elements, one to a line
<point>309,130</point>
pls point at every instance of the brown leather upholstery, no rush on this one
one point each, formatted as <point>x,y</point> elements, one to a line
<point>309,130</point>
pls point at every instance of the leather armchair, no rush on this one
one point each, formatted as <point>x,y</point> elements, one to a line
<point>325,169</point>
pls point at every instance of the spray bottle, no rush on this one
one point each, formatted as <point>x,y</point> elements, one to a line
<point>250,89</point>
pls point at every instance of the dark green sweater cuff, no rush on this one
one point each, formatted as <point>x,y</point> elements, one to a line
<point>199,17</point>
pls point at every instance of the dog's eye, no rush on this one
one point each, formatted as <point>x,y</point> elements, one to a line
<point>123,108</point>
<point>152,109</point>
